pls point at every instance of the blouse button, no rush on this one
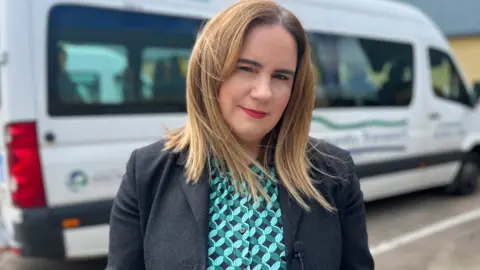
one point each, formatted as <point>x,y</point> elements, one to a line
<point>242,230</point>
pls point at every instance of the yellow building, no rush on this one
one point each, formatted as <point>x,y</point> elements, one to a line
<point>467,51</point>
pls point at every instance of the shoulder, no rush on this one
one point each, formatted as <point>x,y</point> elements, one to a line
<point>320,145</point>
<point>335,171</point>
<point>152,151</point>
<point>147,160</point>
<point>330,158</point>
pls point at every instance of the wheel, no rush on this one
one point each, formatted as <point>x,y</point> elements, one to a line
<point>466,181</point>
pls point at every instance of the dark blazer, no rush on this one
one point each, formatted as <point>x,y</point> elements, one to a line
<point>160,222</point>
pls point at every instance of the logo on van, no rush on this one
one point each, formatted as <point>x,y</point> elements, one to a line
<point>77,180</point>
<point>359,124</point>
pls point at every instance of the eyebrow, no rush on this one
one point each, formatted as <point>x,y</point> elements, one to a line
<point>254,63</point>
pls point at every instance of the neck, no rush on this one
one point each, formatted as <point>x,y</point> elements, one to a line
<point>252,149</point>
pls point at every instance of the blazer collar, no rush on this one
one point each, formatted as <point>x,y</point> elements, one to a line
<point>198,195</point>
<point>291,216</point>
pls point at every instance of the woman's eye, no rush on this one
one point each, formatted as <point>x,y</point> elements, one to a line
<point>281,77</point>
<point>248,69</point>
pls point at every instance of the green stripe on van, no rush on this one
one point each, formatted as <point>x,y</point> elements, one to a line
<point>361,124</point>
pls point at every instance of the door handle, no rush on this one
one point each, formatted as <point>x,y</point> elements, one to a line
<point>434,115</point>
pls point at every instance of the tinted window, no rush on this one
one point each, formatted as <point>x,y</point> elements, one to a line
<point>164,73</point>
<point>357,72</point>
<point>116,62</point>
<point>446,81</point>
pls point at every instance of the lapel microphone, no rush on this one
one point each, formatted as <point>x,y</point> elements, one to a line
<point>298,251</point>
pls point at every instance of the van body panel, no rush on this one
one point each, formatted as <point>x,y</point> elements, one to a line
<point>88,150</point>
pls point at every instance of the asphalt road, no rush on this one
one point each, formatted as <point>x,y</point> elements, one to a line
<point>421,231</point>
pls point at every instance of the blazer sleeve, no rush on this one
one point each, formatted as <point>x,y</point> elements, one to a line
<point>355,252</point>
<point>125,239</point>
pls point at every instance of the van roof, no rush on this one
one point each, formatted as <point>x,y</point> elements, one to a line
<point>399,15</point>
<point>390,8</point>
<point>383,8</point>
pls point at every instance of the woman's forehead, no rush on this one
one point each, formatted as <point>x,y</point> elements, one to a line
<point>270,45</point>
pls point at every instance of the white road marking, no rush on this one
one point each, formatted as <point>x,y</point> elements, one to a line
<point>424,232</point>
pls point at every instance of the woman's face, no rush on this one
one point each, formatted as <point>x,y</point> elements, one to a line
<point>252,100</point>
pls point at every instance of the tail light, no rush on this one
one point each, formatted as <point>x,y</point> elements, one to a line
<point>24,165</point>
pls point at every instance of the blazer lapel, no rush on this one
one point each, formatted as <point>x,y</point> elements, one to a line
<point>197,196</point>
<point>291,215</point>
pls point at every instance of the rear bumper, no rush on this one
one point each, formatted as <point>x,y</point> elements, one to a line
<point>40,234</point>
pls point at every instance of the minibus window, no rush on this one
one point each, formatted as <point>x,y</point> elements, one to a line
<point>164,73</point>
<point>446,82</point>
<point>105,61</point>
<point>360,72</point>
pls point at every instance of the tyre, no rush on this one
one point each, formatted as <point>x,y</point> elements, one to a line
<point>467,179</point>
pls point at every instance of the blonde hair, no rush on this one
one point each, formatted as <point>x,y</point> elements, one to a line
<point>206,133</point>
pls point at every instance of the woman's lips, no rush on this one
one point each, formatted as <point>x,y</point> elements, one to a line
<point>254,113</point>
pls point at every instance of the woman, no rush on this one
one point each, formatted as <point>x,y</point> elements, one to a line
<point>241,185</point>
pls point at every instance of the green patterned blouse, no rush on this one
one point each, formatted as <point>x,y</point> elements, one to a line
<point>244,234</point>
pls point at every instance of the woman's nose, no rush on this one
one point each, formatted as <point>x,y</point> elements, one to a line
<point>262,89</point>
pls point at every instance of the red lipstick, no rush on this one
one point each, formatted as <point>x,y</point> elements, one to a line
<point>254,113</point>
